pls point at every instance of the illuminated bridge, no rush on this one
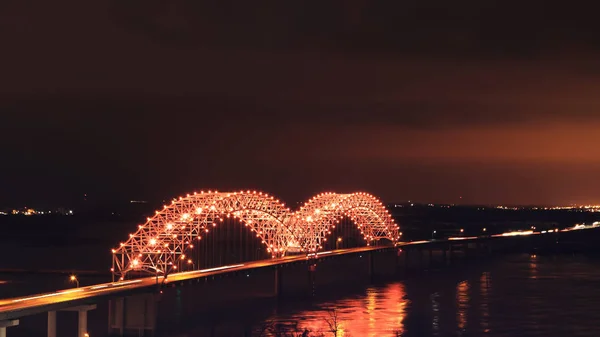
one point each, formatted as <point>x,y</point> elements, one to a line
<point>218,239</point>
<point>163,242</point>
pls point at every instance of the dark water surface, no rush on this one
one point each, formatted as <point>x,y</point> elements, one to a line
<point>519,295</point>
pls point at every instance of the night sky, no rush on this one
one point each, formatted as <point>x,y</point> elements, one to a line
<point>491,101</point>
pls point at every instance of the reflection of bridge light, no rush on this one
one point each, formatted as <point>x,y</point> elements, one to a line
<point>58,293</point>
<point>462,299</point>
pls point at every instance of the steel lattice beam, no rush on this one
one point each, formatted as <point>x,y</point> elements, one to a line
<point>164,238</point>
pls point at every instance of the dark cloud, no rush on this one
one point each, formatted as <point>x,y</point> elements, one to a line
<point>405,98</point>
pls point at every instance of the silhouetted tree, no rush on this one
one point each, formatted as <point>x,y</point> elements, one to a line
<point>332,322</point>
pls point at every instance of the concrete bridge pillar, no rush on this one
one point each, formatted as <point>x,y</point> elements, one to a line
<point>82,310</point>
<point>82,328</point>
<point>371,265</point>
<point>399,252</point>
<point>430,262</point>
<point>444,256</point>
<point>278,280</point>
<point>51,323</point>
<point>132,314</point>
<point>312,269</point>
<point>7,324</point>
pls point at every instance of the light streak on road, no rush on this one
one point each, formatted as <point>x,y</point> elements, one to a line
<point>417,242</point>
<point>126,282</point>
<point>59,293</point>
<point>515,233</point>
<point>114,285</point>
<point>324,253</point>
<point>208,270</point>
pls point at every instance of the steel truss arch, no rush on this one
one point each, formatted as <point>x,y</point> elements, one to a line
<point>321,214</point>
<point>158,244</point>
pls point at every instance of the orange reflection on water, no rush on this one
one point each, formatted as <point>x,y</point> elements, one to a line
<point>435,306</point>
<point>533,267</point>
<point>485,285</point>
<point>378,314</point>
<point>462,304</point>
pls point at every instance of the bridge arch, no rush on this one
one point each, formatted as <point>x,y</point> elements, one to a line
<point>321,213</point>
<point>157,245</point>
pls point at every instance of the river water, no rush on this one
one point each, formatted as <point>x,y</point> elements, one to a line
<point>518,295</point>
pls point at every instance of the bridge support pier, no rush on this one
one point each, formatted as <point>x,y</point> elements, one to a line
<point>278,280</point>
<point>444,256</point>
<point>82,310</point>
<point>312,269</point>
<point>398,254</point>
<point>371,267</point>
<point>51,323</point>
<point>132,315</point>
<point>430,262</point>
<point>7,324</point>
<point>82,328</point>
